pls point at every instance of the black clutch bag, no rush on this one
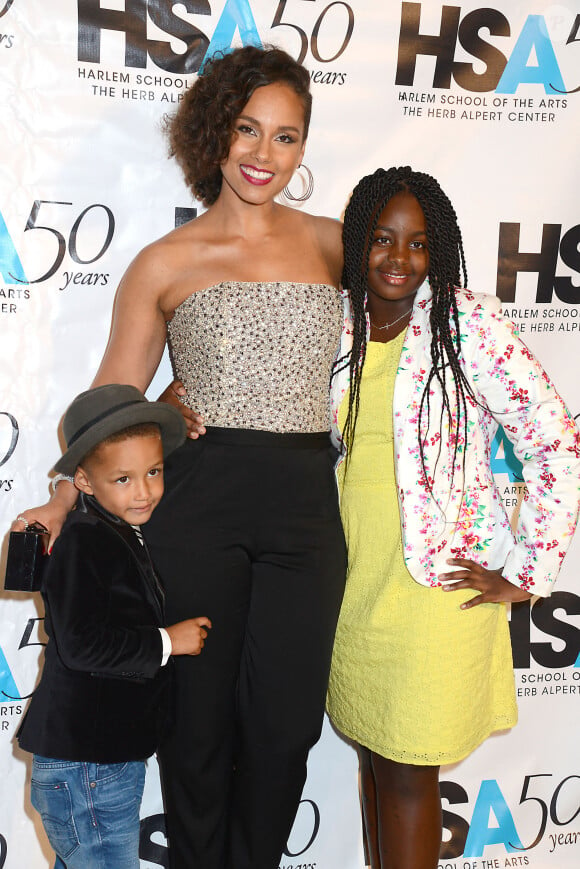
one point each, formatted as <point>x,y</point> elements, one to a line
<point>27,555</point>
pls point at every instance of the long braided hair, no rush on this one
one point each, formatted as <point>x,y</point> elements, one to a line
<point>447,271</point>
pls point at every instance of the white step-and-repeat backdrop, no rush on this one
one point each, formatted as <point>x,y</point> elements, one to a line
<point>486,98</point>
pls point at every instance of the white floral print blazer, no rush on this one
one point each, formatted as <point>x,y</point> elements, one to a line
<point>468,519</point>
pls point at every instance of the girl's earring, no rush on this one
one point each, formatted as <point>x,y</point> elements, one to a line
<point>307,186</point>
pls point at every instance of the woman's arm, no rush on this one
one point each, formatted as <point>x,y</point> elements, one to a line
<point>138,331</point>
<point>134,350</point>
<point>173,395</point>
<point>52,514</point>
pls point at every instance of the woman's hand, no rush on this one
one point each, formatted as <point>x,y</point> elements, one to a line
<point>174,395</point>
<point>492,586</point>
<point>52,514</point>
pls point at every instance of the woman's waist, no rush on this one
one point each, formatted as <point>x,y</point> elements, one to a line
<point>288,413</point>
<point>266,438</point>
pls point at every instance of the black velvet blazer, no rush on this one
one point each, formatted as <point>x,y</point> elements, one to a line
<point>103,696</point>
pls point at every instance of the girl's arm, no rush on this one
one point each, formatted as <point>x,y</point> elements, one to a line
<point>523,400</point>
<point>492,586</point>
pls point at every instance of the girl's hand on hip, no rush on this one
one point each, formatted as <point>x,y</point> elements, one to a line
<point>491,584</point>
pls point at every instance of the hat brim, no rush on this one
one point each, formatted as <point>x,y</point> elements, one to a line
<point>169,420</point>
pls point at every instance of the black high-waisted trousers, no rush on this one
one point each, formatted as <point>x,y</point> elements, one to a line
<point>248,533</point>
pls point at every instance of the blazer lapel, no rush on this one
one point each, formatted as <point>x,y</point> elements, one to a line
<point>135,542</point>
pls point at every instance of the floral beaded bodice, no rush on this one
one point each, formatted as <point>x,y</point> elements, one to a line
<point>258,355</point>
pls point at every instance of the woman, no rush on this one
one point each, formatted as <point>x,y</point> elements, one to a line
<point>249,529</point>
<point>422,669</point>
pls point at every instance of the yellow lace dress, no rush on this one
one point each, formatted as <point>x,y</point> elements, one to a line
<point>413,677</point>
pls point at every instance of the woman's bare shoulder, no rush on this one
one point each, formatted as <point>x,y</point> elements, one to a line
<point>164,261</point>
<point>176,243</point>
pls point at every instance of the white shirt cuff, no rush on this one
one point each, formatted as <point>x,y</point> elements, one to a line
<point>166,640</point>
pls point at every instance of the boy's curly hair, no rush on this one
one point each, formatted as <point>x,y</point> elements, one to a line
<point>200,132</point>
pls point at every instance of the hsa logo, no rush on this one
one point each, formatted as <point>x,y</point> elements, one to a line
<point>236,15</point>
<point>307,821</point>
<point>500,73</point>
<point>471,838</point>
<point>561,646</point>
<point>511,261</point>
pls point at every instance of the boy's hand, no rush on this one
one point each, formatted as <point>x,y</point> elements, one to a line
<point>187,638</point>
<point>491,584</point>
<point>175,395</point>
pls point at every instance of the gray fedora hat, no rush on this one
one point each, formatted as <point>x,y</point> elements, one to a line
<point>101,412</point>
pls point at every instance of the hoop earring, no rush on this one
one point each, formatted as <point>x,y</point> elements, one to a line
<point>309,186</point>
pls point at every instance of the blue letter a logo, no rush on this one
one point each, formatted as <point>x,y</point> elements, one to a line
<point>236,14</point>
<point>10,265</point>
<point>509,464</point>
<point>533,39</point>
<point>7,684</point>
<point>481,833</point>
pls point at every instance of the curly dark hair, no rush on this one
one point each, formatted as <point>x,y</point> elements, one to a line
<point>447,271</point>
<point>200,132</point>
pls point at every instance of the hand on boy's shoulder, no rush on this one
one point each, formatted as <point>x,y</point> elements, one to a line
<point>188,637</point>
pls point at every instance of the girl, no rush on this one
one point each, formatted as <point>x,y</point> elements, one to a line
<point>249,527</point>
<point>421,676</point>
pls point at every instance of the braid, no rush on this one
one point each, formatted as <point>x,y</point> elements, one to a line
<point>360,219</point>
<point>447,271</point>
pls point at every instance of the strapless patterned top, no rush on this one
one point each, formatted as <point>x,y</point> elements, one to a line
<point>258,355</point>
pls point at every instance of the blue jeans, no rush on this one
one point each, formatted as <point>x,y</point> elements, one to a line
<point>90,811</point>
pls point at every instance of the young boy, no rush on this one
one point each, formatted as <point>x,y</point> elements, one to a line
<point>103,701</point>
